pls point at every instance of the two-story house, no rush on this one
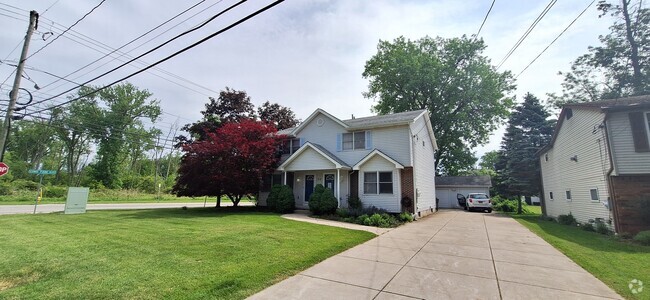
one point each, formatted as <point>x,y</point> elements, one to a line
<point>380,159</point>
<point>597,165</point>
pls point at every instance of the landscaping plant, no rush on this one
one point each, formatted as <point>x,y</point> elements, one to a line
<point>322,201</point>
<point>643,237</point>
<point>281,199</point>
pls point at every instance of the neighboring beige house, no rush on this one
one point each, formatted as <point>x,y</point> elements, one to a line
<point>380,159</point>
<point>597,166</point>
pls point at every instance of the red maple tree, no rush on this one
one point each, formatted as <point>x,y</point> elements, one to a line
<point>231,161</point>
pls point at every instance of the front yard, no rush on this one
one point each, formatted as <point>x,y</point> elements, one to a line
<point>164,253</point>
<point>614,262</point>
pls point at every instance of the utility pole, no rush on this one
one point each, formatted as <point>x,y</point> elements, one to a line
<point>13,96</point>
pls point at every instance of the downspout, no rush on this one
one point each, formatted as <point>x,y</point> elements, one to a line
<point>612,194</point>
<point>415,191</point>
<point>542,197</point>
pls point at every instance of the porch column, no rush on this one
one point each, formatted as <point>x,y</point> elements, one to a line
<point>338,188</point>
<point>285,177</point>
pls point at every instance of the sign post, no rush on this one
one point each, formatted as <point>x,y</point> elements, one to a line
<point>4,169</point>
<point>40,183</point>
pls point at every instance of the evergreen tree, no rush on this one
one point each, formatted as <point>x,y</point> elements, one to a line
<point>518,169</point>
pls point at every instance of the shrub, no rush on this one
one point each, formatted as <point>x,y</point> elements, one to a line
<point>54,191</point>
<point>602,228</point>
<point>5,189</point>
<point>354,202</point>
<point>281,199</point>
<point>406,217</point>
<point>547,218</point>
<point>643,237</point>
<point>22,184</point>
<point>587,227</point>
<point>322,201</point>
<point>566,219</point>
<point>343,213</point>
<point>503,204</point>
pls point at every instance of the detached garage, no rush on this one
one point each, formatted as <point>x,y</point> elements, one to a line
<point>448,187</point>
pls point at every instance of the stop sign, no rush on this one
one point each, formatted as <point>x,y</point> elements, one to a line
<point>3,168</point>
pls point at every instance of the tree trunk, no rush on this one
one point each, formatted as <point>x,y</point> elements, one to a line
<point>218,200</point>
<point>519,210</point>
<point>634,48</point>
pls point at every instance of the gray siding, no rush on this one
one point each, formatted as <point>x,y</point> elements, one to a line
<point>393,141</point>
<point>626,159</point>
<point>424,172</point>
<point>560,173</point>
<point>389,202</point>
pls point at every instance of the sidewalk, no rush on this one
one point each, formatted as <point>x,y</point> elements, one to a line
<point>449,255</point>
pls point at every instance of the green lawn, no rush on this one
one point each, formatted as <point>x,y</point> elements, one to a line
<point>107,196</point>
<point>614,262</point>
<point>164,253</point>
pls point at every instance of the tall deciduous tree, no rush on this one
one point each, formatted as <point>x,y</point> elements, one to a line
<point>280,116</point>
<point>230,161</point>
<point>620,66</point>
<point>466,97</point>
<point>126,107</point>
<point>518,169</point>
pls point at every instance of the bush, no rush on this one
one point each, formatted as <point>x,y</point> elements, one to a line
<point>5,189</point>
<point>343,213</point>
<point>547,218</point>
<point>281,199</point>
<point>566,219</point>
<point>503,204</point>
<point>322,201</point>
<point>406,217</point>
<point>602,228</point>
<point>587,227</point>
<point>643,237</point>
<point>354,202</point>
<point>54,191</point>
<point>22,184</point>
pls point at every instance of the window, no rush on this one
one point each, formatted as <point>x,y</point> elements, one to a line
<point>354,140</point>
<point>378,182</point>
<point>546,156</point>
<point>550,195</point>
<point>569,113</point>
<point>594,194</point>
<point>640,126</point>
<point>568,195</point>
<point>290,146</point>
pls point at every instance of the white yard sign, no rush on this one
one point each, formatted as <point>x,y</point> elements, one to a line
<point>77,200</point>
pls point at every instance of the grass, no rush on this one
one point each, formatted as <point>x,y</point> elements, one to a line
<point>163,253</point>
<point>108,196</point>
<point>613,261</point>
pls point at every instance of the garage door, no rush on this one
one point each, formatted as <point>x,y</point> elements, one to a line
<point>448,198</point>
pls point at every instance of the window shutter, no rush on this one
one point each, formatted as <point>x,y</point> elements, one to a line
<point>302,142</point>
<point>639,134</point>
<point>339,142</point>
<point>368,139</point>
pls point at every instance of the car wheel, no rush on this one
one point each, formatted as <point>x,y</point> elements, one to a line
<point>465,207</point>
<point>489,210</point>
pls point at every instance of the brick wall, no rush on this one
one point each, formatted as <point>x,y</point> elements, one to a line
<point>631,203</point>
<point>407,187</point>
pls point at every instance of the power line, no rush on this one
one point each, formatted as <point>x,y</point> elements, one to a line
<point>557,37</point>
<point>156,48</point>
<point>528,31</point>
<point>67,29</point>
<point>485,19</point>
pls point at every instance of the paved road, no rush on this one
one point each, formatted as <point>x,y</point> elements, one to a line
<point>48,208</point>
<point>449,255</point>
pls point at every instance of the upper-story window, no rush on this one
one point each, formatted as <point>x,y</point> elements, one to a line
<point>290,146</point>
<point>354,140</point>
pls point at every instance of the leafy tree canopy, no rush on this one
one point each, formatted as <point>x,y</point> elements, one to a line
<point>620,66</point>
<point>466,97</point>
<point>280,116</point>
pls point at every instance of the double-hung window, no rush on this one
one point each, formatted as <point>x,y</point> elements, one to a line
<point>290,146</point>
<point>354,140</point>
<point>378,182</point>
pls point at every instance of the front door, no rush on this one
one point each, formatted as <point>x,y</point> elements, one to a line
<point>329,181</point>
<point>309,186</point>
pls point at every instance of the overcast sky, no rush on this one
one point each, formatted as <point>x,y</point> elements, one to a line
<point>304,54</point>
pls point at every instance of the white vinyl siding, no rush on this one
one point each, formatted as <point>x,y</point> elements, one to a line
<point>389,202</point>
<point>627,160</point>
<point>310,160</point>
<point>561,174</point>
<point>392,141</point>
<point>424,172</point>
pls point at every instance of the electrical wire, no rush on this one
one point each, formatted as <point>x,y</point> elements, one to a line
<point>528,31</point>
<point>66,30</point>
<point>485,19</point>
<point>557,37</point>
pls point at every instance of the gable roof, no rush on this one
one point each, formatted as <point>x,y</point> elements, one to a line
<point>338,163</point>
<point>485,181</point>
<point>402,118</point>
<point>609,105</point>
<point>374,152</point>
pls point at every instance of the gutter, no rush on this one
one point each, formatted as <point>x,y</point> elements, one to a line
<point>612,198</point>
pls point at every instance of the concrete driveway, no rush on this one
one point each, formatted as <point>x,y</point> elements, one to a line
<point>449,255</point>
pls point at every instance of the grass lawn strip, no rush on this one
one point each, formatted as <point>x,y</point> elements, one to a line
<point>163,253</point>
<point>614,262</point>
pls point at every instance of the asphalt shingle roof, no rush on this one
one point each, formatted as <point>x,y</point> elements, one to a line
<point>463,181</point>
<point>332,156</point>
<point>383,120</point>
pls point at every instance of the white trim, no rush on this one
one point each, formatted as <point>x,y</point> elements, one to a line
<point>313,115</point>
<point>337,184</point>
<point>427,122</point>
<point>372,154</point>
<point>647,124</point>
<point>303,149</point>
